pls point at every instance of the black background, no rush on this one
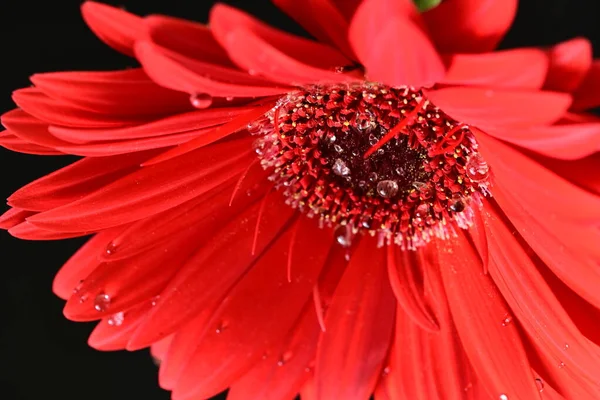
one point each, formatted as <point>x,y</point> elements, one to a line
<point>42,355</point>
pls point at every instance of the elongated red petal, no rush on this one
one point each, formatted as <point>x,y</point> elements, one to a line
<point>537,309</point>
<point>506,109</point>
<point>150,190</point>
<point>114,331</point>
<point>278,304</point>
<point>478,311</point>
<point>187,38</point>
<point>394,50</point>
<point>470,26</point>
<point>118,28</point>
<point>570,61</point>
<point>14,216</point>
<point>194,289</point>
<point>403,269</point>
<point>74,181</point>
<point>128,92</point>
<point>520,68</point>
<point>359,325</point>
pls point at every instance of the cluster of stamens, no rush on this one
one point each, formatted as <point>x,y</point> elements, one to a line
<point>367,157</point>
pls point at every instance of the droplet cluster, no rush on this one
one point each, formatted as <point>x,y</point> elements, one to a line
<point>373,158</point>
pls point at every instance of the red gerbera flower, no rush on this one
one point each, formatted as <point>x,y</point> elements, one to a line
<point>396,209</point>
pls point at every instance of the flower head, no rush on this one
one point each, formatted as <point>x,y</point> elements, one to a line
<point>394,209</point>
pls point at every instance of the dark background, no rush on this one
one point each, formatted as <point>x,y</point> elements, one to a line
<point>41,353</point>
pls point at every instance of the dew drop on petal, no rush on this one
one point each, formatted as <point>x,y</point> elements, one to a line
<point>456,204</point>
<point>507,320</point>
<point>340,168</point>
<point>540,384</point>
<point>385,371</point>
<point>422,211</point>
<point>201,100</point>
<point>419,185</point>
<point>154,300</point>
<point>78,287</point>
<point>222,326</point>
<point>373,176</point>
<point>338,148</point>
<point>343,235</point>
<point>561,365</point>
<point>284,358</point>
<point>477,169</point>
<point>102,302</point>
<point>503,397</point>
<point>116,319</point>
<point>111,248</point>
<point>387,188</point>
<point>229,98</point>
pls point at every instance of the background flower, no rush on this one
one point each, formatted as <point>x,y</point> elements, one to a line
<point>66,67</point>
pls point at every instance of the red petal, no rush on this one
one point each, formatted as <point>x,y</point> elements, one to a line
<point>577,171</point>
<point>74,181</point>
<point>194,289</point>
<point>246,332</point>
<point>150,190</point>
<point>193,76</point>
<point>518,68</point>
<point>14,143</point>
<point>113,332</point>
<point>116,27</point>
<point>494,109</point>
<point>394,50</point>
<point>569,63</point>
<point>326,20</point>
<point>470,26</point>
<point>588,94</point>
<point>225,20</point>
<point>28,231</point>
<point>58,112</point>
<point>126,93</point>
<point>495,351</point>
<point>81,264</point>
<point>187,122</point>
<point>537,309</point>
<point>567,141</point>
<point>535,187</point>
<point>186,38</point>
<point>280,376</point>
<point>402,267</point>
<point>359,325</point>
<point>13,217</point>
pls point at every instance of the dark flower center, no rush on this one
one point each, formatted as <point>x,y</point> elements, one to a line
<point>375,158</point>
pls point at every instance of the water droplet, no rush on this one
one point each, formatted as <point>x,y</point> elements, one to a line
<point>399,171</point>
<point>284,358</point>
<point>102,302</point>
<point>373,140</point>
<point>229,98</point>
<point>201,100</point>
<point>419,185</point>
<point>507,320</point>
<point>561,365</point>
<point>222,326</point>
<point>252,72</point>
<point>332,139</point>
<point>365,122</point>
<point>385,371</point>
<point>503,397</point>
<point>343,235</point>
<point>340,168</point>
<point>456,204</point>
<point>116,319</point>
<point>338,148</point>
<point>422,211</point>
<point>111,248</point>
<point>373,176</point>
<point>339,70</point>
<point>567,346</point>
<point>477,169</point>
<point>78,287</point>
<point>154,300</point>
<point>540,384</point>
<point>387,188</point>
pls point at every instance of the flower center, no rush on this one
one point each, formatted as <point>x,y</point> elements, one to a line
<point>373,158</point>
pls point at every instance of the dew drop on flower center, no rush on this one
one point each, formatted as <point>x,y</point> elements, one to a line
<point>372,158</point>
